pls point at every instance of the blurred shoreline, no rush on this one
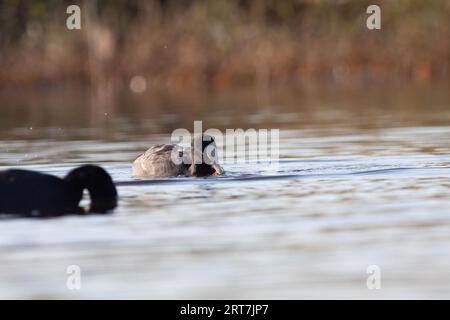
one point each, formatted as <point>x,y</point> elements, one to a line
<point>212,46</point>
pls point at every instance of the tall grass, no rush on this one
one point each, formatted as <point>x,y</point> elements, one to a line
<point>180,46</point>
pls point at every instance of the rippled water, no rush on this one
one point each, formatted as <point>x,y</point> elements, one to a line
<point>352,190</point>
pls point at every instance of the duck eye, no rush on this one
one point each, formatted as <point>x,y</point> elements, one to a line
<point>209,156</point>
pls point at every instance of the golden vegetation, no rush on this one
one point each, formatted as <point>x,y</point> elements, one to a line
<point>179,46</point>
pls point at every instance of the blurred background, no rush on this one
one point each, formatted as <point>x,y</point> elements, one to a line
<point>216,45</point>
<point>175,61</point>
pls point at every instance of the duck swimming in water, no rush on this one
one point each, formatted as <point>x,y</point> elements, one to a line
<point>170,160</point>
<point>34,194</point>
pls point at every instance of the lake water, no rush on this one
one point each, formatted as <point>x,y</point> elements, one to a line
<point>363,179</point>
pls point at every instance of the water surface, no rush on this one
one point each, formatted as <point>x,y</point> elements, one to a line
<point>362,180</point>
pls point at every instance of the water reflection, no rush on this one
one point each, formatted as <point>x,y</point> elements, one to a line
<point>363,180</point>
<point>68,114</point>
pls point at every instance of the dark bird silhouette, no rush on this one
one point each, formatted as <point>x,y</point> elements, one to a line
<point>35,194</point>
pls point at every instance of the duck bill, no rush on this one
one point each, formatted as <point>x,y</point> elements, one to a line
<point>218,168</point>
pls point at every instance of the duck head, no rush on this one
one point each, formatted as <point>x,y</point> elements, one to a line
<point>204,157</point>
<point>98,182</point>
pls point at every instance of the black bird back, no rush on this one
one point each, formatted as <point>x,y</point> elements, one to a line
<point>30,193</point>
<point>33,193</point>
